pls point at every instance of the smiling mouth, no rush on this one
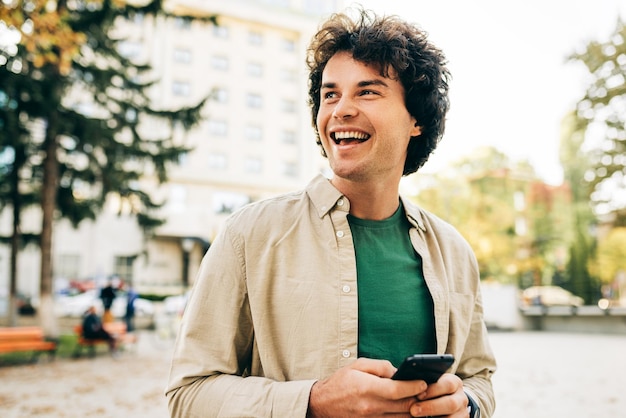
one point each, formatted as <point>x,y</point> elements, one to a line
<point>345,138</point>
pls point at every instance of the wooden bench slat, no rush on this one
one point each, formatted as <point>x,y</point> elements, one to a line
<point>29,338</point>
<point>27,346</point>
<point>20,333</point>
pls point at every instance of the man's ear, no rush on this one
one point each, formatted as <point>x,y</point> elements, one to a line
<point>416,130</point>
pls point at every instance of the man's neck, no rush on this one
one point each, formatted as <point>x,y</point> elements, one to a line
<point>369,200</point>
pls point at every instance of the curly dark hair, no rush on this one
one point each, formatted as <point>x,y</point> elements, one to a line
<point>389,43</point>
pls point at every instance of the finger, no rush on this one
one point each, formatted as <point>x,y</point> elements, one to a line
<point>454,405</point>
<point>433,408</point>
<point>381,368</point>
<point>447,384</point>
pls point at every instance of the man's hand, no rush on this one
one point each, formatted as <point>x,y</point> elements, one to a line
<point>445,398</point>
<point>364,389</point>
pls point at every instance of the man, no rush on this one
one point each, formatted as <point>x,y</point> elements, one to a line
<point>305,304</point>
<point>94,330</point>
<point>107,294</point>
<point>129,315</point>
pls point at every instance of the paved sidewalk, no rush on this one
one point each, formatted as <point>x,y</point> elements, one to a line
<point>541,375</point>
<point>553,375</point>
<point>130,386</point>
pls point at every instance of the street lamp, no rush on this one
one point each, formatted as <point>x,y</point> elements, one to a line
<point>187,245</point>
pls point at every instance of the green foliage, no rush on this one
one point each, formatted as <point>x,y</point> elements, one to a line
<point>611,258</point>
<point>91,107</point>
<point>601,116</point>
<point>65,348</point>
<point>76,119</point>
<point>516,225</point>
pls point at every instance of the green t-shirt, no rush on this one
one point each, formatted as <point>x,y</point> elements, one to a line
<point>396,317</point>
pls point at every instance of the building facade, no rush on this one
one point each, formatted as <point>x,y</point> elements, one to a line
<point>256,140</point>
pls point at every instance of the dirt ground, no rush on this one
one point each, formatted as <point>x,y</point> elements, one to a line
<point>131,385</point>
<point>540,375</point>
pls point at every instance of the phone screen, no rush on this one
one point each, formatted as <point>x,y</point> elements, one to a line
<point>427,367</point>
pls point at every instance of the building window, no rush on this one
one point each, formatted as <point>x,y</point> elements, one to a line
<point>288,45</point>
<point>288,137</point>
<point>228,202</point>
<point>521,228</point>
<point>220,95</point>
<point>182,23</point>
<point>253,165</point>
<point>220,32</point>
<point>130,49</point>
<point>181,88</point>
<point>288,106</point>
<point>67,267</point>
<point>255,69</point>
<point>218,128</point>
<point>254,133</point>
<point>217,161</point>
<point>519,203</point>
<point>182,55</point>
<point>288,75</point>
<point>254,101</point>
<point>124,268</point>
<point>183,159</point>
<point>177,201</point>
<point>289,169</point>
<point>219,63</point>
<point>138,18</point>
<point>255,38</point>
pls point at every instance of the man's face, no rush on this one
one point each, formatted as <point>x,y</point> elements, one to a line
<point>363,122</point>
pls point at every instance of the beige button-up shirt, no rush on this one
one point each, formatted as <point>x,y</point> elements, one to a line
<point>274,308</point>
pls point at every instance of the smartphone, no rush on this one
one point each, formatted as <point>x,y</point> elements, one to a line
<point>427,367</point>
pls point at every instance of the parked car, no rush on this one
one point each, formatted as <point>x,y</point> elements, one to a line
<point>77,305</point>
<point>550,296</point>
<point>175,304</point>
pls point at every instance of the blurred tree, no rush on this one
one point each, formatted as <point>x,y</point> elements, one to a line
<point>611,260</point>
<point>475,191</point>
<point>576,162</point>
<point>516,224</point>
<point>75,117</point>
<point>601,115</point>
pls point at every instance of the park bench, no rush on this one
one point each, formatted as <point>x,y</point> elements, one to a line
<point>28,338</point>
<point>117,329</point>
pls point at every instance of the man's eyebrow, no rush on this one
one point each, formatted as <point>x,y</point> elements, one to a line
<point>364,83</point>
<point>375,82</point>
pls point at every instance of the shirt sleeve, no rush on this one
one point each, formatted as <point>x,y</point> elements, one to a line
<point>213,351</point>
<point>478,362</point>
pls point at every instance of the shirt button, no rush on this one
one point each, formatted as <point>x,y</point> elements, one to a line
<point>340,234</point>
<point>345,353</point>
<point>345,288</point>
<point>340,202</point>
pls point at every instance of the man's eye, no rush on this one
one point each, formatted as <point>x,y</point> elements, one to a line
<point>330,95</point>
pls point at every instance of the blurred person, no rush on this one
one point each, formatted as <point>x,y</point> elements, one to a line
<point>93,329</point>
<point>305,304</point>
<point>129,315</point>
<point>107,295</point>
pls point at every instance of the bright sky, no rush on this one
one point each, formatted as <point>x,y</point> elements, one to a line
<point>511,84</point>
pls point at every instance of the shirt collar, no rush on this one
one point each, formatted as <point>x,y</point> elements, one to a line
<point>413,214</point>
<point>325,197</point>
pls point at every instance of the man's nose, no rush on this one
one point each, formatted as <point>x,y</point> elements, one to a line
<point>345,108</point>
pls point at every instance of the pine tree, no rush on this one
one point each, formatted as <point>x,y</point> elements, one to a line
<point>73,112</point>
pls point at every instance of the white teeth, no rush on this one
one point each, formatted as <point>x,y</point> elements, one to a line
<point>351,135</point>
